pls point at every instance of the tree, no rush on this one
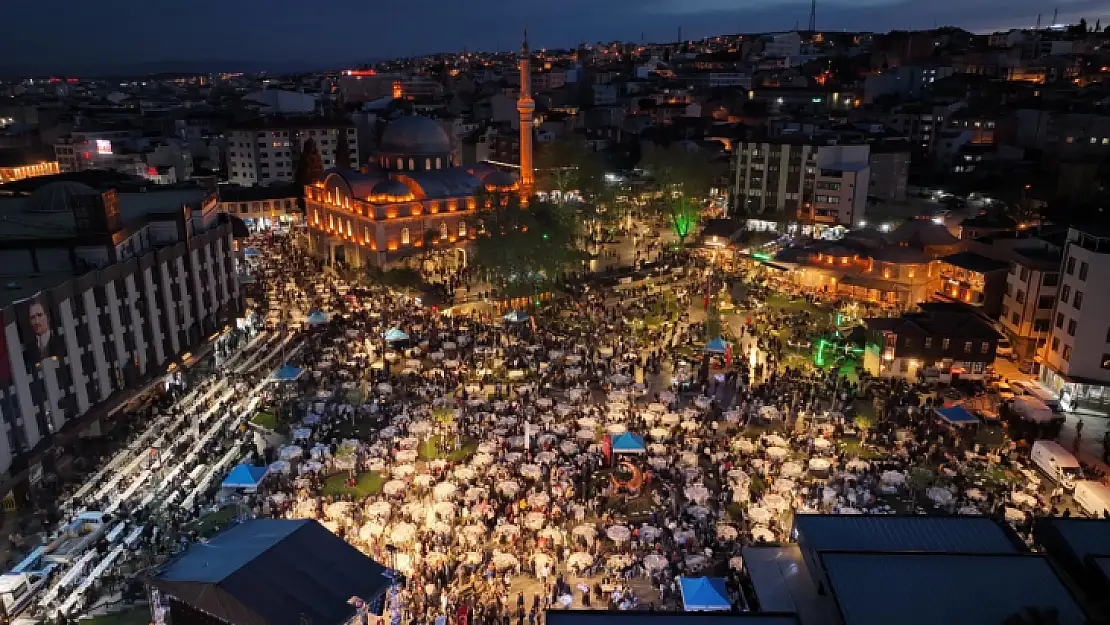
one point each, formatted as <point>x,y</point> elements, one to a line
<point>568,164</point>
<point>342,150</point>
<point>681,178</point>
<point>310,167</point>
<point>523,251</point>
<point>920,478</point>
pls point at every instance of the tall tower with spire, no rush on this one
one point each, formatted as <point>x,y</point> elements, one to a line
<point>527,108</point>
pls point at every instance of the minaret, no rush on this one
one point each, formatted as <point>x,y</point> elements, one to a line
<point>526,107</point>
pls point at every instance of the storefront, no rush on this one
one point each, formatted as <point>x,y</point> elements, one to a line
<point>1077,393</point>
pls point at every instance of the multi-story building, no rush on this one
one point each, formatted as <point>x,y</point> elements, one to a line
<point>787,180</point>
<point>1076,363</point>
<point>972,279</point>
<point>890,171</point>
<point>945,338</point>
<point>262,207</point>
<point>17,164</point>
<point>266,152</point>
<point>105,289</point>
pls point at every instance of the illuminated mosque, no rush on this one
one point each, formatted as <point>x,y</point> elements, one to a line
<point>413,197</point>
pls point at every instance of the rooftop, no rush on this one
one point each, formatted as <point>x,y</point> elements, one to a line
<point>954,589</point>
<point>823,532</point>
<point>975,262</point>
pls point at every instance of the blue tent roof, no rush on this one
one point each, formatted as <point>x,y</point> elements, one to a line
<point>287,373</point>
<point>245,476</point>
<point>629,443</point>
<point>393,334</point>
<point>704,593</point>
<point>515,316</point>
<point>957,415</point>
<point>251,251</point>
<point>717,345</point>
<point>317,317</point>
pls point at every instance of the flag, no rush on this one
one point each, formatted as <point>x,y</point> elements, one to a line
<point>532,320</point>
<point>705,302</point>
<point>728,355</point>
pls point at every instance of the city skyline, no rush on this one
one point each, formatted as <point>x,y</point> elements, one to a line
<point>120,36</point>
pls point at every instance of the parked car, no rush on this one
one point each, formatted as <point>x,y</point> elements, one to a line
<point>1004,349</point>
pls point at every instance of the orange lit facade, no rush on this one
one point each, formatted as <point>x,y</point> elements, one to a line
<point>32,170</point>
<point>413,199</point>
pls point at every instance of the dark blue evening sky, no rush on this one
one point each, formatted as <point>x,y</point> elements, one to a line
<point>81,36</point>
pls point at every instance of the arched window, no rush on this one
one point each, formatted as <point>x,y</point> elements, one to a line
<point>404,236</point>
<point>427,163</point>
<point>439,163</point>
<point>443,230</point>
<point>412,164</point>
<point>462,228</point>
<point>400,163</point>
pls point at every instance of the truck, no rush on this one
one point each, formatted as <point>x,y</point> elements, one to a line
<point>1032,409</point>
<point>1093,498</point>
<point>1055,461</point>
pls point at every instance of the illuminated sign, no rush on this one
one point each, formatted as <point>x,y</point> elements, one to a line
<point>103,146</point>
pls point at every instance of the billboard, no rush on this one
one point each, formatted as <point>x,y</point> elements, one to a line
<point>37,328</point>
<point>103,146</point>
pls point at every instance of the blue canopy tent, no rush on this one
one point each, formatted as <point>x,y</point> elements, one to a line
<point>393,335</point>
<point>957,415</point>
<point>245,476</point>
<point>252,251</point>
<point>628,443</point>
<point>317,317</point>
<point>515,316</point>
<point>716,346</point>
<point>287,373</point>
<point>701,594</point>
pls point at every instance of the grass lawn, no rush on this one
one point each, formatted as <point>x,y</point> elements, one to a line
<point>365,484</point>
<point>429,450</point>
<point>852,447</point>
<point>133,616</point>
<point>213,522</point>
<point>265,419</point>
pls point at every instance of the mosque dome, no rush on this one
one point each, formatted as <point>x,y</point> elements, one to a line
<point>57,197</point>
<point>392,188</point>
<point>415,135</point>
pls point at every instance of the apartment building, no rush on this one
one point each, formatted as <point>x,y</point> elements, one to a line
<point>788,180</point>
<point>265,153</point>
<point>1076,363</point>
<point>105,288</point>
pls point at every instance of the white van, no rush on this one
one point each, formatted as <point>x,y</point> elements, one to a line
<point>1093,498</point>
<point>1046,396</point>
<point>1055,461</point>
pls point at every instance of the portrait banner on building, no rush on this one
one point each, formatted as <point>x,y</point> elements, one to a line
<point>35,316</point>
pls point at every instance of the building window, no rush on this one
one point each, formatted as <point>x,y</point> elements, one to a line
<point>1071,327</point>
<point>967,347</point>
<point>1015,319</point>
<point>1105,361</point>
<point>462,228</point>
<point>443,230</point>
<point>427,163</point>
<point>1067,353</point>
<point>412,164</point>
<point>1077,301</point>
<point>1059,320</point>
<point>985,347</point>
<point>1020,296</point>
<point>1071,266</point>
<point>1044,302</point>
<point>929,342</point>
<point>404,236</point>
<point>1083,267</point>
<point>439,163</point>
<point>1065,294</point>
<point>400,164</point>
<point>1055,344</point>
<point>944,344</point>
<point>1024,275</point>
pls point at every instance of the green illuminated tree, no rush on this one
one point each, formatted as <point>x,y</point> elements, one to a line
<point>682,177</point>
<point>523,251</point>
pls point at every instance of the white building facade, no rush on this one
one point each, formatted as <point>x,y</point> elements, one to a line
<point>261,155</point>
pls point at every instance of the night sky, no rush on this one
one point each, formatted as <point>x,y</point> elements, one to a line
<point>81,36</point>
